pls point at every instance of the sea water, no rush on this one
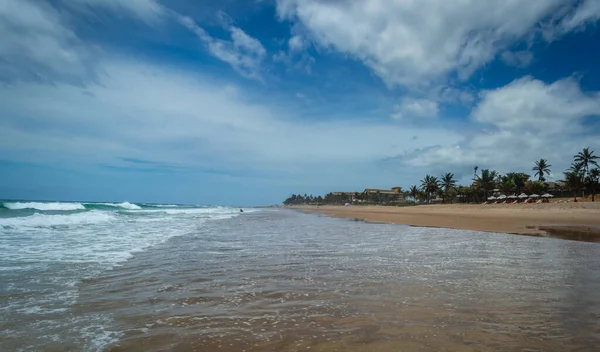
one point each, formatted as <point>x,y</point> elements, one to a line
<point>135,277</point>
<point>47,249</point>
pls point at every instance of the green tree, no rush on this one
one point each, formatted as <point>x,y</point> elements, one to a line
<point>541,168</point>
<point>536,187</point>
<point>465,193</point>
<point>486,181</point>
<point>586,158</point>
<point>519,178</point>
<point>593,181</point>
<point>430,185</point>
<point>574,181</point>
<point>448,184</point>
<point>506,184</point>
<point>414,192</point>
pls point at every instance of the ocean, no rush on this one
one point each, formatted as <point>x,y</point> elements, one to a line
<point>149,277</point>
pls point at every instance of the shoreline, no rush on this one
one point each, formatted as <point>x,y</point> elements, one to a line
<point>574,221</point>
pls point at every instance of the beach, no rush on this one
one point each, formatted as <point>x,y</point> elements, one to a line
<point>569,220</point>
<point>141,277</point>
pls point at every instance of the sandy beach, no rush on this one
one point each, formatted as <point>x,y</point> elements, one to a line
<point>579,221</point>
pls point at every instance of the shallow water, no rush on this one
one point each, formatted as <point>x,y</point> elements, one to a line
<point>278,280</point>
<point>283,281</point>
<point>48,248</point>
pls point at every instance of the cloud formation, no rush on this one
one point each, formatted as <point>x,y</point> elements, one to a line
<point>523,121</point>
<point>165,114</point>
<point>415,108</point>
<point>244,53</point>
<point>36,45</point>
<point>417,43</point>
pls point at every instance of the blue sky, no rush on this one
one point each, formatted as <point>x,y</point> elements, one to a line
<point>246,102</point>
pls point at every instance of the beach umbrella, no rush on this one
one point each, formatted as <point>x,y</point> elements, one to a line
<point>534,196</point>
<point>512,197</point>
<point>492,198</point>
<point>523,195</point>
<point>502,196</point>
<point>547,195</point>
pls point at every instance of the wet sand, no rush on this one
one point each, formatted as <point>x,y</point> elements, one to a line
<point>577,221</point>
<point>281,281</point>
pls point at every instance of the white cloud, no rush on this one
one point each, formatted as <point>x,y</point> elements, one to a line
<point>297,43</point>
<point>296,57</point>
<point>588,12</point>
<point>534,106</point>
<point>518,58</point>
<point>415,108</point>
<point>36,45</point>
<point>524,120</point>
<point>244,53</point>
<point>169,115</point>
<point>146,10</point>
<point>421,42</point>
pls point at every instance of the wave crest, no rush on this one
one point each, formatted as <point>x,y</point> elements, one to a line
<point>43,206</point>
<point>124,205</point>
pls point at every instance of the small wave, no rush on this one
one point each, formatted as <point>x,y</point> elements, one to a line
<point>124,205</point>
<point>43,206</point>
<point>46,220</point>
<point>161,205</point>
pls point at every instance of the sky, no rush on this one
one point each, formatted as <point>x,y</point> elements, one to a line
<point>246,102</point>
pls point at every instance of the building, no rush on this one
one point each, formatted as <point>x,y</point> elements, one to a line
<point>395,192</point>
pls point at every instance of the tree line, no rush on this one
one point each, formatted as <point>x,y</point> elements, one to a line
<point>582,176</point>
<point>338,198</point>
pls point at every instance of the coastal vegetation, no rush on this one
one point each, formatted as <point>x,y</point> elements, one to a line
<point>581,179</point>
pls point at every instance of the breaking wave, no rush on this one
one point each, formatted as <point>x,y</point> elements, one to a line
<point>67,206</point>
<point>124,205</point>
<point>43,206</point>
<point>46,220</point>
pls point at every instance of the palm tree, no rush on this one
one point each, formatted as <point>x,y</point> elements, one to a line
<point>535,187</point>
<point>430,185</point>
<point>593,180</point>
<point>414,192</point>
<point>486,181</point>
<point>519,178</point>
<point>585,158</point>
<point>541,168</point>
<point>506,184</point>
<point>573,181</point>
<point>448,183</point>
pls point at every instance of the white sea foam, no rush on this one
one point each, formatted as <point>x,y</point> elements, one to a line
<point>208,211</point>
<point>61,249</point>
<point>124,205</point>
<point>44,206</point>
<point>47,220</point>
